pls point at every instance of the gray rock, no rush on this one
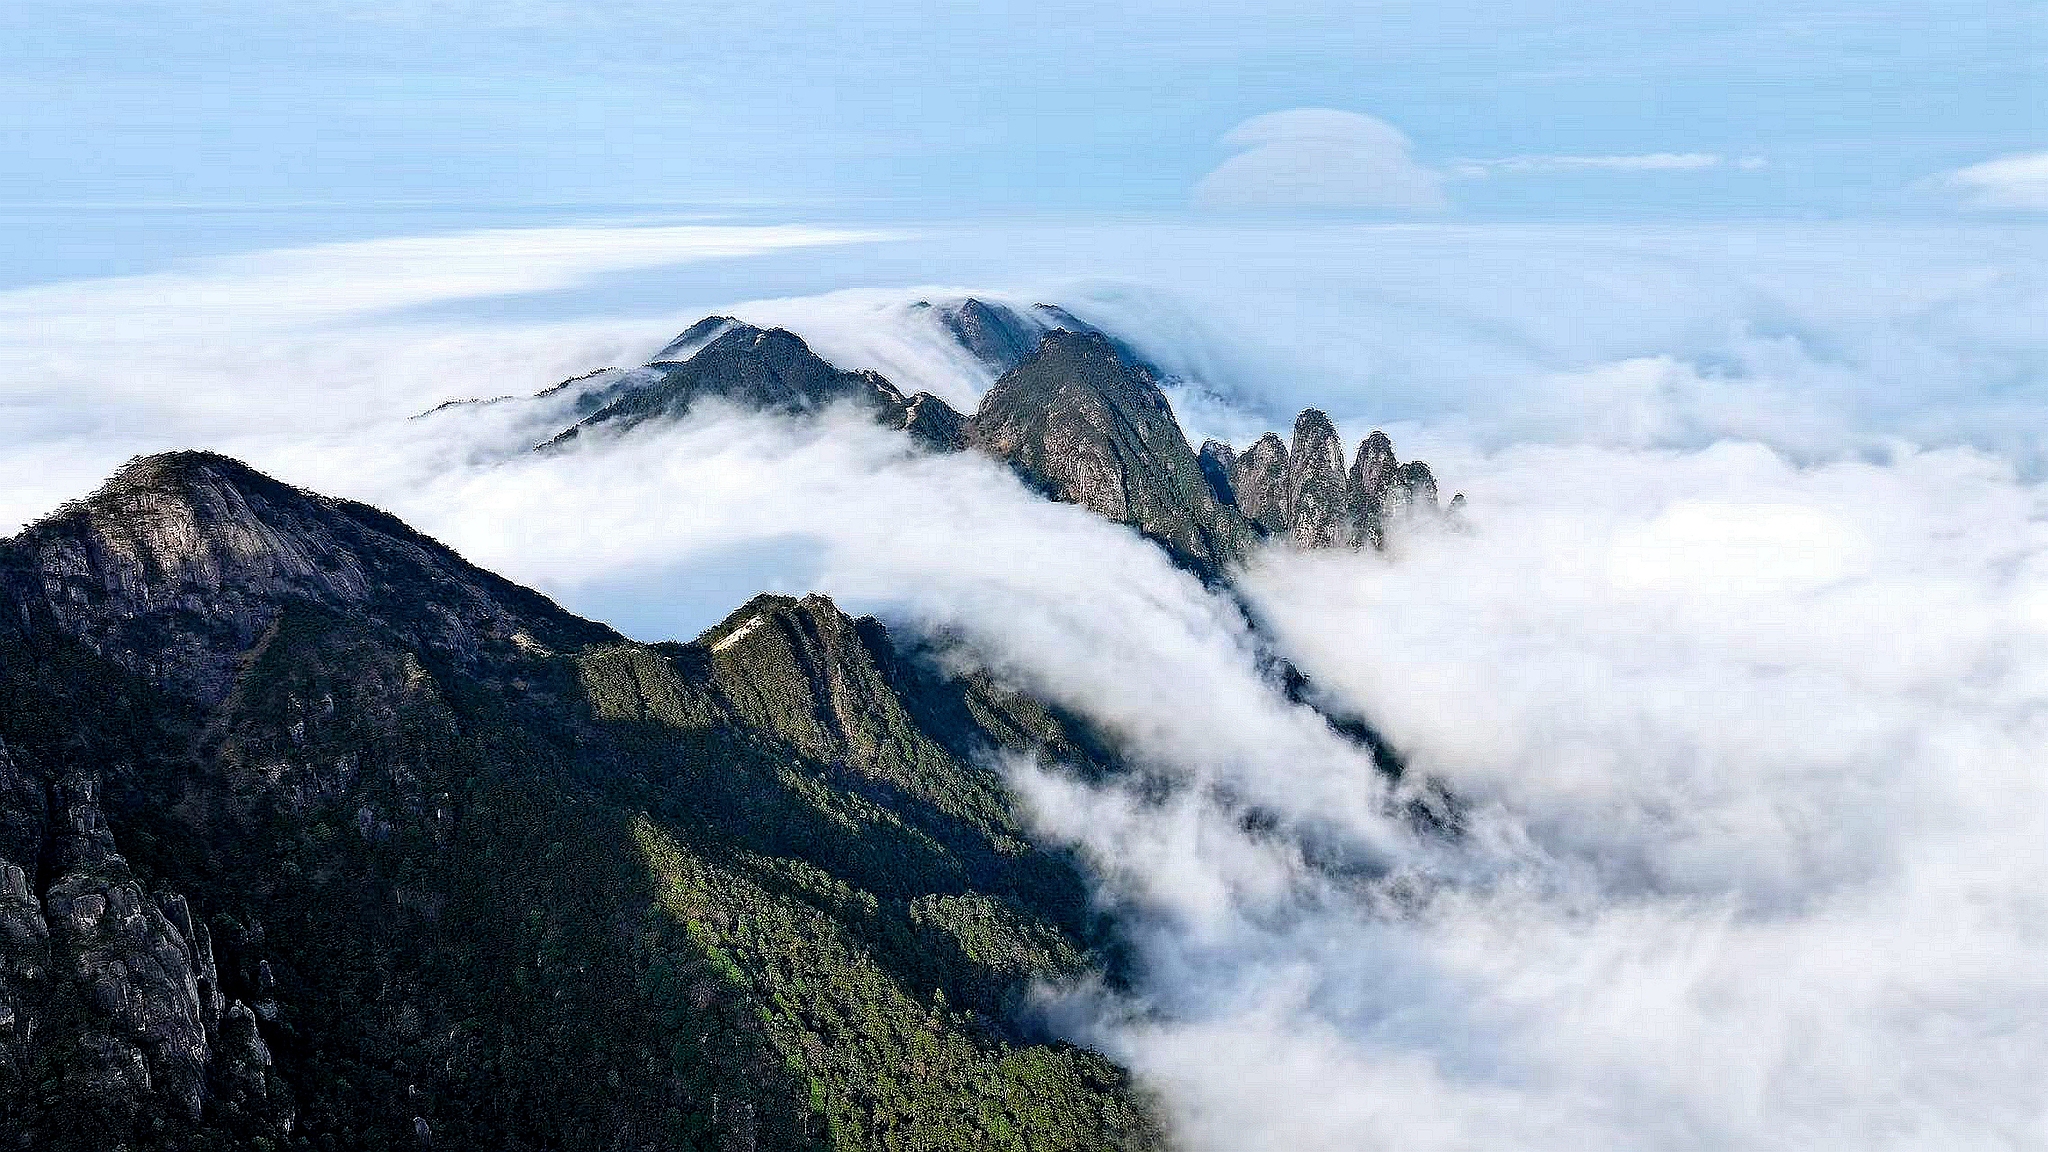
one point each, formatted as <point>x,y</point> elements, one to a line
<point>1261,481</point>
<point>1084,426</point>
<point>1218,459</point>
<point>771,370</point>
<point>1319,505</point>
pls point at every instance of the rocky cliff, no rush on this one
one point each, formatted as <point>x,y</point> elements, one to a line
<point>770,370</point>
<point>314,835</point>
<point>1305,495</point>
<point>1079,415</point>
<point>1083,425</point>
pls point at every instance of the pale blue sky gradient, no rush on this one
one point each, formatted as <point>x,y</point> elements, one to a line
<point>139,132</point>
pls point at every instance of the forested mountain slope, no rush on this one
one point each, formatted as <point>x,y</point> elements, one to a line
<point>313,835</point>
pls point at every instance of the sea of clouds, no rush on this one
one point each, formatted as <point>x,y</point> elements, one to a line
<point>1739,667</point>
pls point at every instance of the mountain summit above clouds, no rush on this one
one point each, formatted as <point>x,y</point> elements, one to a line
<point>1078,414</point>
<point>313,834</point>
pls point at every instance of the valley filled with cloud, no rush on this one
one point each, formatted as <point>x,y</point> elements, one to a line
<point>1737,664</point>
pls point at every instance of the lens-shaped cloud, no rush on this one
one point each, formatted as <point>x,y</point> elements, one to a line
<point>1320,160</point>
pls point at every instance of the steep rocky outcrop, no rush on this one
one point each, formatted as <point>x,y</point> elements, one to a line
<point>111,987</point>
<point>1218,460</point>
<point>1076,413</point>
<point>311,831</point>
<point>934,423</point>
<point>994,334</point>
<point>1306,496</point>
<point>178,565</point>
<point>693,339</point>
<point>1319,503</point>
<point>1083,425</point>
<point>771,370</point>
<point>1002,336</point>
<point>1261,479</point>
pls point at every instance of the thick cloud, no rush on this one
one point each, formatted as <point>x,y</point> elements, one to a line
<point>2018,181</point>
<point>1740,665</point>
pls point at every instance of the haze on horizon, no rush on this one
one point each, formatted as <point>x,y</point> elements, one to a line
<point>1727,319</point>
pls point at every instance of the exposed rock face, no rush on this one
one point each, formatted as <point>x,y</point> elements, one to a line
<point>995,335</point>
<point>1001,336</point>
<point>1084,426</point>
<point>417,851</point>
<point>694,339</point>
<point>771,370</point>
<point>1262,480</point>
<point>1218,461</point>
<point>181,561</point>
<point>934,423</point>
<point>98,978</point>
<point>1375,470</point>
<point>1076,413</point>
<point>1306,496</point>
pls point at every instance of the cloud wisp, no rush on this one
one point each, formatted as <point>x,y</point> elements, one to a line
<point>2010,182</point>
<point>1328,161</point>
<point>1644,162</point>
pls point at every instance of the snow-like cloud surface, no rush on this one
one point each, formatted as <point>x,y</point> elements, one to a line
<point>1739,667</point>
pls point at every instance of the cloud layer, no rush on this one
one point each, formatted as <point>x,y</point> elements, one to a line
<point>1741,668</point>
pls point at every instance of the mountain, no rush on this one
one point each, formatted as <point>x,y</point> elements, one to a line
<point>1001,336</point>
<point>314,835</point>
<point>1306,496</point>
<point>1076,413</point>
<point>772,370</point>
<point>1083,425</point>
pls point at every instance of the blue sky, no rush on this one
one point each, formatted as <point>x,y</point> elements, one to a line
<point>139,131</point>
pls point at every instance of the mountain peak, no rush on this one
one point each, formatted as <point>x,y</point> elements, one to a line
<point>1082,424</point>
<point>696,336</point>
<point>179,563</point>
<point>1320,508</point>
<point>771,369</point>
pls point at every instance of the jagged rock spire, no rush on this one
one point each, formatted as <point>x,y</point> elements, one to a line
<point>1084,425</point>
<point>1319,504</point>
<point>1217,460</point>
<point>1260,480</point>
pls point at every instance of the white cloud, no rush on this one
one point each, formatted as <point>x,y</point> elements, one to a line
<point>301,343</point>
<point>2017,181</point>
<point>1319,159</point>
<point>1646,162</point>
<point>1753,841</point>
<point>1755,838</point>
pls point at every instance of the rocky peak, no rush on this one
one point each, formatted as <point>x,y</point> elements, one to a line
<point>1261,481</point>
<point>695,337</point>
<point>935,423</point>
<point>180,562</point>
<point>770,370</point>
<point>1305,495</point>
<point>1320,508</point>
<point>1083,425</point>
<point>994,334</point>
<point>1413,491</point>
<point>1218,459</point>
<point>1374,468</point>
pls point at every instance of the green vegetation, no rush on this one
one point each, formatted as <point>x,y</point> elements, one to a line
<point>614,897</point>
